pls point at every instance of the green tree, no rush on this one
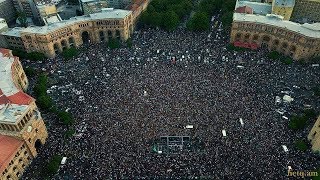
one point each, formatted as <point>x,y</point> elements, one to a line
<point>113,43</point>
<point>53,165</point>
<point>226,19</point>
<point>298,122</point>
<point>199,22</point>
<point>30,72</point>
<point>69,53</point>
<point>65,118</point>
<point>36,56</point>
<point>19,53</point>
<point>274,55</point>
<point>286,60</point>
<point>301,145</point>
<point>171,20</point>
<point>156,20</point>
<point>44,101</point>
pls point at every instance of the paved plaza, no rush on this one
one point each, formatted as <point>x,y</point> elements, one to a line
<point>124,99</point>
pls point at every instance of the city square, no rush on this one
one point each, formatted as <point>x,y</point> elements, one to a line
<point>124,99</point>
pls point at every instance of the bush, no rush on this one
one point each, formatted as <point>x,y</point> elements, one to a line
<point>301,145</point>
<point>298,122</point>
<point>65,118</point>
<point>113,44</point>
<point>53,165</point>
<point>36,56</point>
<point>274,55</point>
<point>44,102</point>
<point>69,53</point>
<point>287,60</point>
<point>30,72</point>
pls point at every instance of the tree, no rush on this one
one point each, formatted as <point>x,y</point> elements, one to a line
<point>274,55</point>
<point>199,22</point>
<point>53,165</point>
<point>286,60</point>
<point>30,72</point>
<point>301,145</point>
<point>36,56</point>
<point>156,20</point>
<point>65,118</point>
<point>171,20</point>
<point>44,101</point>
<point>226,19</point>
<point>69,53</point>
<point>298,122</point>
<point>22,18</point>
<point>113,43</point>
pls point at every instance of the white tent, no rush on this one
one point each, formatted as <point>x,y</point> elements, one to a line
<point>189,127</point>
<point>63,161</point>
<point>285,117</point>
<point>224,133</point>
<point>285,148</point>
<point>241,121</point>
<point>287,98</point>
<point>278,99</point>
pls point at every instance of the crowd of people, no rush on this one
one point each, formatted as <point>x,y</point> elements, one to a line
<point>124,99</point>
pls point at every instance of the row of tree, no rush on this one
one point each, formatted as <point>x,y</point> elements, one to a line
<point>166,14</point>
<point>200,21</point>
<point>274,55</point>
<point>33,56</point>
<point>45,102</point>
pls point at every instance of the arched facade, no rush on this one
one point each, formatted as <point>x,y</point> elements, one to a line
<point>285,41</point>
<point>60,36</point>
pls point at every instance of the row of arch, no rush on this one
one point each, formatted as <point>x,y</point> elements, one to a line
<point>85,36</point>
<point>267,41</point>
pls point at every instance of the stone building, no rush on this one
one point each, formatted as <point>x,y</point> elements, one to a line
<point>283,8</point>
<point>314,136</point>
<point>22,130</point>
<point>7,10</point>
<point>306,11</point>
<point>137,7</point>
<point>29,7</point>
<point>48,14</point>
<point>92,6</point>
<point>54,38</point>
<point>299,41</point>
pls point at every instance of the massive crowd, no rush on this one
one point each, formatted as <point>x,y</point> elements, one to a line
<point>124,99</point>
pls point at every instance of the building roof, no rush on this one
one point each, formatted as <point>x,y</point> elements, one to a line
<point>9,147</point>
<point>6,82</point>
<point>258,8</point>
<point>107,13</point>
<point>13,102</point>
<point>244,9</point>
<point>310,30</point>
<point>284,3</point>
